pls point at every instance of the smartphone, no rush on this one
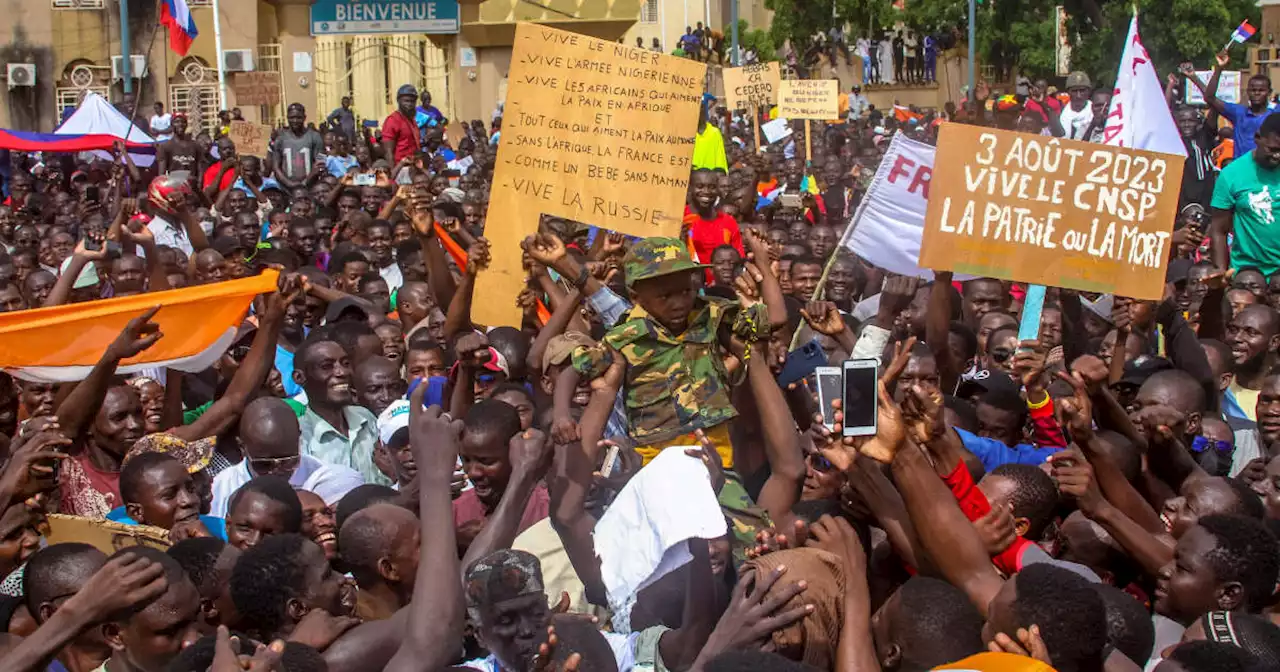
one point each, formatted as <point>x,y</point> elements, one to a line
<point>92,193</point>
<point>801,362</point>
<point>860,376</point>
<point>404,176</point>
<point>365,180</point>
<point>791,201</point>
<point>830,388</point>
<point>610,461</point>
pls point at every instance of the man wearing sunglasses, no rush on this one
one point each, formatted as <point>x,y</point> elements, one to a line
<point>269,434</point>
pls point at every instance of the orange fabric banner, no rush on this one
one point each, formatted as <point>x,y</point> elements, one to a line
<point>73,337</point>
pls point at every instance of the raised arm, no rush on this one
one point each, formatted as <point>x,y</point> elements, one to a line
<point>1210,92</point>
<point>432,636</point>
<point>574,464</point>
<point>458,317</point>
<point>937,328</point>
<point>122,583</point>
<point>530,458</point>
<point>781,441</point>
<point>251,372</point>
<point>943,529</point>
<point>555,326</point>
<point>67,279</point>
<point>76,412</point>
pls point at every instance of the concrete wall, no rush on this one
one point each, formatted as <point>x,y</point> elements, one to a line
<point>27,38</point>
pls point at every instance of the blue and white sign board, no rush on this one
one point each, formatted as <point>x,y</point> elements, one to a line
<point>347,17</point>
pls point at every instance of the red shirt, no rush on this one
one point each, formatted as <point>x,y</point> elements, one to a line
<point>211,173</point>
<point>403,132</point>
<point>467,507</point>
<point>707,235</point>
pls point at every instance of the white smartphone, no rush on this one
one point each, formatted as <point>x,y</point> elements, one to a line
<point>860,399</point>
<point>610,461</point>
<point>365,180</point>
<point>830,388</point>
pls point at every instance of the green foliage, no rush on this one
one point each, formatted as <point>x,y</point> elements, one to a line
<point>1172,30</point>
<point>755,38</point>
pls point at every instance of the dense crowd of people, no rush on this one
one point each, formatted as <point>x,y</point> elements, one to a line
<point>368,479</point>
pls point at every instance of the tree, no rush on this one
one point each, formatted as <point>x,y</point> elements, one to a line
<point>761,41</point>
<point>1173,31</point>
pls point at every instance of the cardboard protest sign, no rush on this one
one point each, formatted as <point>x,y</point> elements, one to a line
<point>809,99</point>
<point>251,139</point>
<point>105,535</point>
<point>595,132</point>
<point>1053,212</point>
<point>751,86</point>
<point>256,88</point>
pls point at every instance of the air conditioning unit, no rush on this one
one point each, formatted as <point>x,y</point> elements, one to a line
<point>22,74</point>
<point>137,67</point>
<point>237,60</point>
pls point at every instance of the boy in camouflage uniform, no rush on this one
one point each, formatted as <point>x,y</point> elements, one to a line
<point>675,343</point>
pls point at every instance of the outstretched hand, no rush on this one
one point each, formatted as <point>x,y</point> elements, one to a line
<point>138,335</point>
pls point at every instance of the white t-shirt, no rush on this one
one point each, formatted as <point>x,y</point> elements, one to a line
<point>1075,123</point>
<point>160,124</point>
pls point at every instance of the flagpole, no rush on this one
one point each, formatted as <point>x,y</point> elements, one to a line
<point>217,47</point>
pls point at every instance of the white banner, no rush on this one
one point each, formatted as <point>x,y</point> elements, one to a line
<point>1139,116</point>
<point>889,224</point>
<point>1228,87</point>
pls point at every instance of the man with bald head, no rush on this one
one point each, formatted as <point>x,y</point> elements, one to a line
<point>53,573</point>
<point>269,433</point>
<point>414,303</point>
<point>208,265</point>
<point>37,286</point>
<point>378,383</point>
<point>379,546</point>
<point>1253,336</point>
<point>1175,389</point>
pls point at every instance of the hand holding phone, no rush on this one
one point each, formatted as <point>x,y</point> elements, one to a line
<point>830,388</point>
<point>860,396</point>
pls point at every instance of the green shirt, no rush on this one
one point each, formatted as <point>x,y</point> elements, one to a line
<point>1252,193</point>
<point>675,383</point>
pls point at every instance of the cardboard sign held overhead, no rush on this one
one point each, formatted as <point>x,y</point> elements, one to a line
<point>809,99</point>
<point>251,139</point>
<point>1054,212</point>
<point>595,132</point>
<point>751,86</point>
<point>256,88</point>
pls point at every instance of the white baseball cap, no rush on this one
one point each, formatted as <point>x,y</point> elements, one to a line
<point>393,419</point>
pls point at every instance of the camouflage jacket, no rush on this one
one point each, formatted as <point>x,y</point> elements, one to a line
<point>675,383</point>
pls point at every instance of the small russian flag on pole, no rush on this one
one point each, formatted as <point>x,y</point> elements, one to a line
<point>1243,32</point>
<point>176,16</point>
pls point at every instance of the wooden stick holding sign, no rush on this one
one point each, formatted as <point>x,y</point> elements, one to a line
<point>595,132</point>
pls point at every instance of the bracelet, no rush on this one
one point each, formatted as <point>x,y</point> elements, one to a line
<point>1037,405</point>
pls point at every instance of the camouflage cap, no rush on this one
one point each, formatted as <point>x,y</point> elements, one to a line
<point>500,576</point>
<point>656,257</point>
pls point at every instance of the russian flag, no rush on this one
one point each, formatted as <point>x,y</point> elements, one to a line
<point>1243,32</point>
<point>176,16</point>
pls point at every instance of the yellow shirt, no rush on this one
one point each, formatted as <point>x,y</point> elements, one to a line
<point>997,662</point>
<point>1246,398</point>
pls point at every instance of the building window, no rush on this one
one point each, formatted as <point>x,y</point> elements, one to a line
<point>77,4</point>
<point>71,96</point>
<point>649,11</point>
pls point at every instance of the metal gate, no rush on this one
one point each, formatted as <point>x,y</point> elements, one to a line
<point>370,68</point>
<point>199,102</point>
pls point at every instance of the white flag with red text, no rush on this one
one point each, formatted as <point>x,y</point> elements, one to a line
<point>1139,116</point>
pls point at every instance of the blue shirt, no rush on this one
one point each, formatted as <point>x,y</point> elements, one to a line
<point>1246,125</point>
<point>284,364</point>
<point>216,526</point>
<point>339,165</point>
<point>994,453</point>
